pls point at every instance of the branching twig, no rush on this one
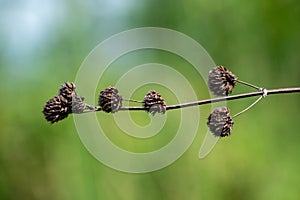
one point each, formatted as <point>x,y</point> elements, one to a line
<point>220,82</point>
<point>218,99</point>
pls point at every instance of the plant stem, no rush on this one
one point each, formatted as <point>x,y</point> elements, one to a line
<point>248,84</point>
<point>132,100</point>
<point>255,102</point>
<point>219,99</point>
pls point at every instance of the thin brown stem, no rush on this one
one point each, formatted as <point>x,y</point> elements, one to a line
<point>90,108</point>
<point>226,98</point>
<point>255,102</point>
<point>248,84</point>
<point>261,93</point>
<point>132,100</point>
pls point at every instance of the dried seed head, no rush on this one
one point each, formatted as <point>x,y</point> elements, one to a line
<point>76,104</point>
<point>110,100</point>
<point>66,102</point>
<point>67,90</point>
<point>56,108</point>
<point>221,81</point>
<point>154,103</point>
<point>219,122</point>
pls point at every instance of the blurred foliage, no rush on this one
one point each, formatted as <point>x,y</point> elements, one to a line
<point>43,43</point>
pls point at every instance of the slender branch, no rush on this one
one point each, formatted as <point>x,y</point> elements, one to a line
<point>255,102</point>
<point>248,84</point>
<point>219,99</point>
<point>132,100</point>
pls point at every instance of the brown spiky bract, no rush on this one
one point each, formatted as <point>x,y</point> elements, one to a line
<point>219,122</point>
<point>110,100</point>
<point>154,103</point>
<point>56,108</point>
<point>221,81</point>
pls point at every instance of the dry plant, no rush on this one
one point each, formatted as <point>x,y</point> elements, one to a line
<point>221,82</point>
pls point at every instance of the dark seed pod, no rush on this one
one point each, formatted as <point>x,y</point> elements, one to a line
<point>154,103</point>
<point>220,123</point>
<point>221,81</point>
<point>76,103</point>
<point>110,100</point>
<point>67,90</point>
<point>56,108</point>
<point>63,104</point>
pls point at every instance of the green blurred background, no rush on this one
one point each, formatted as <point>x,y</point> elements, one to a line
<point>44,42</point>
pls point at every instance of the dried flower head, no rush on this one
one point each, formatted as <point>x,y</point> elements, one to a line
<point>67,90</point>
<point>65,102</point>
<point>110,100</point>
<point>56,108</point>
<point>221,81</point>
<point>75,102</point>
<point>154,103</point>
<point>219,122</point>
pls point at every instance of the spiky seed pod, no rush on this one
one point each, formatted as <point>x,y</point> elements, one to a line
<point>67,90</point>
<point>56,108</point>
<point>76,103</point>
<point>221,81</point>
<point>110,100</point>
<point>219,122</point>
<point>154,103</point>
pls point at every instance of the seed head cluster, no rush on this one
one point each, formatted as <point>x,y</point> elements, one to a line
<point>110,100</point>
<point>221,81</point>
<point>68,90</point>
<point>56,108</point>
<point>64,103</point>
<point>154,103</point>
<point>219,122</point>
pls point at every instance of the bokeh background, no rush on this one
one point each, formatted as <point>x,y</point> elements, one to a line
<point>42,45</point>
